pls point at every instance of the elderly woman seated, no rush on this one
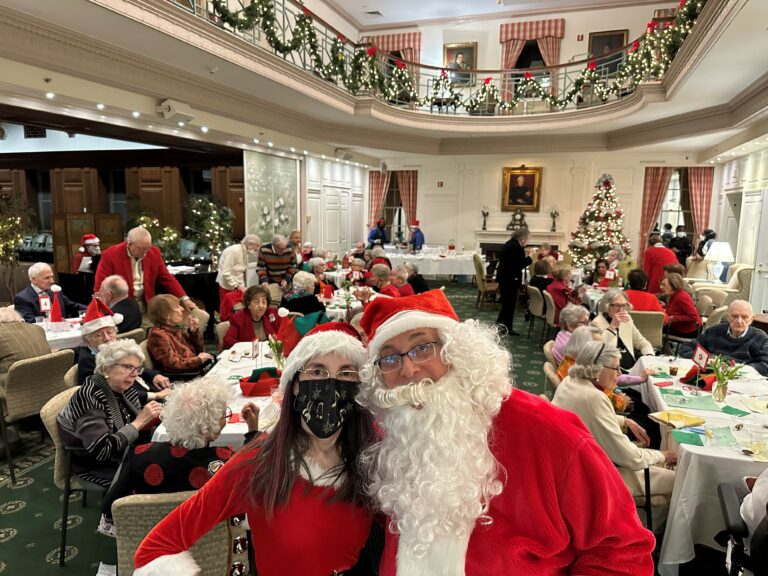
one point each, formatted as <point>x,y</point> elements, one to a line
<point>619,329</point>
<point>399,279</point>
<point>194,416</point>
<point>104,416</point>
<point>317,267</point>
<point>561,291</point>
<point>639,297</point>
<point>571,318</point>
<point>357,274</point>
<point>379,257</point>
<point>684,319</point>
<point>175,348</point>
<point>586,392</point>
<point>256,321</point>
<point>301,297</point>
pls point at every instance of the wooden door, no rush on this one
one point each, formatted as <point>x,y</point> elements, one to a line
<point>160,190</point>
<point>78,190</point>
<point>228,185</point>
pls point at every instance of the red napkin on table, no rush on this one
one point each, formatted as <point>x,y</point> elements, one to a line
<point>328,291</point>
<point>260,382</point>
<point>663,383</point>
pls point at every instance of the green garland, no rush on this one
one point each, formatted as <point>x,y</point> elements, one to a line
<point>648,58</point>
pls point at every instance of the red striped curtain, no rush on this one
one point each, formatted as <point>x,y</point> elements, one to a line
<point>654,190</point>
<point>407,43</point>
<point>407,182</point>
<point>513,37</point>
<point>378,184</point>
<point>700,186</point>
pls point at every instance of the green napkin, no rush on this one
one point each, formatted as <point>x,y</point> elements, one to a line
<point>723,436</point>
<point>662,375</point>
<point>683,437</point>
<point>692,402</point>
<point>671,392</point>
<point>734,411</point>
<point>270,370</point>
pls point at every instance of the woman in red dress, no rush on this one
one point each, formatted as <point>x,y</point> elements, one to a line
<point>684,319</point>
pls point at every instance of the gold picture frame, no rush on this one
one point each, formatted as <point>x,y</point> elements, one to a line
<point>457,58</point>
<point>521,189</point>
<point>602,43</point>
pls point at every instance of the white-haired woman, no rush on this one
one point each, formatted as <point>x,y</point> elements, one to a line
<point>357,274</point>
<point>572,317</point>
<point>300,486</point>
<point>585,392</point>
<point>380,257</point>
<point>619,329</point>
<point>301,297</point>
<point>104,416</point>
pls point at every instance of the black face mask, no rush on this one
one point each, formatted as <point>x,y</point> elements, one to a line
<point>325,404</point>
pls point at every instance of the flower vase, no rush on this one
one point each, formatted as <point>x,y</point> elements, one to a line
<point>719,390</point>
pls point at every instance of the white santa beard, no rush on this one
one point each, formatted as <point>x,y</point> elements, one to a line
<point>433,475</point>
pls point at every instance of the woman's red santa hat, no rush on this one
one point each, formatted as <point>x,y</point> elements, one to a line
<point>86,240</point>
<point>329,338</point>
<point>98,316</point>
<point>385,318</point>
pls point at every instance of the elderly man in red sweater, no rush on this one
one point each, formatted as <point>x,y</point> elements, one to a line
<point>478,479</point>
<point>656,256</point>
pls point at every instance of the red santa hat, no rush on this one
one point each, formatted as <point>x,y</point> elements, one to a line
<point>385,318</point>
<point>329,338</point>
<point>98,316</point>
<point>415,223</point>
<point>381,221</point>
<point>87,239</point>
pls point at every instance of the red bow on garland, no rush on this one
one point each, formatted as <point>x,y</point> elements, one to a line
<point>487,81</point>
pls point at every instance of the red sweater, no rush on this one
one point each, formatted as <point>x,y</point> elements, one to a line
<point>644,302</point>
<point>390,290</point>
<point>309,536</point>
<point>564,509</point>
<point>685,317</point>
<point>115,260</point>
<point>654,260</point>
<point>241,326</point>
<point>561,295</point>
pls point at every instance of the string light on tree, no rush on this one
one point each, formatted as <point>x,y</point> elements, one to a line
<point>601,226</point>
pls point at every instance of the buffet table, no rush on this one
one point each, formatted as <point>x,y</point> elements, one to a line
<point>694,514</point>
<point>459,264</point>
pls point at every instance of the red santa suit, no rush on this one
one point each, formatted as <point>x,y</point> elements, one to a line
<point>553,516</point>
<point>309,536</point>
<point>654,260</point>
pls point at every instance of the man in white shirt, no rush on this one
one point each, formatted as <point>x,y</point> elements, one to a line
<point>233,265</point>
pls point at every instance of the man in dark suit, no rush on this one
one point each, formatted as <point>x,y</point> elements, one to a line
<point>509,275</point>
<point>114,293</point>
<point>36,299</point>
<point>520,194</point>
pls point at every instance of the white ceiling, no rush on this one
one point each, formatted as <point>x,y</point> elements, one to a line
<point>400,11</point>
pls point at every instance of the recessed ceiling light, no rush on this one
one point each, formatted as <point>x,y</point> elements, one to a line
<point>293,149</point>
<point>322,156</point>
<point>743,147</point>
<point>50,95</point>
<point>270,144</point>
<point>306,153</point>
<point>135,114</point>
<point>733,153</point>
<point>718,158</point>
<point>365,165</point>
<point>204,129</point>
<point>338,159</point>
<point>357,163</point>
<point>347,162</point>
<point>181,124</point>
<point>255,140</point>
<point>711,161</point>
<point>103,117</point>
<point>100,106</point>
<point>175,131</point>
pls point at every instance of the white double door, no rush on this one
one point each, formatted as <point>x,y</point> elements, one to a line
<point>335,218</point>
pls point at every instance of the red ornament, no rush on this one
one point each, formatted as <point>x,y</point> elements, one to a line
<point>487,81</point>
<point>340,38</point>
<point>372,51</point>
<point>635,46</point>
<point>528,76</point>
<point>591,65</point>
<point>607,184</point>
<point>443,74</point>
<point>306,11</point>
<point>650,26</point>
<point>399,64</point>
<point>682,3</point>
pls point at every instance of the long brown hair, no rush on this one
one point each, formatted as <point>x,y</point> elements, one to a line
<point>280,456</point>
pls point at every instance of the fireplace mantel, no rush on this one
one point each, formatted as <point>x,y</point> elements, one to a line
<point>498,236</point>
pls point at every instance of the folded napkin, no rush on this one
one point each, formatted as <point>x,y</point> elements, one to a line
<point>676,419</point>
<point>260,382</point>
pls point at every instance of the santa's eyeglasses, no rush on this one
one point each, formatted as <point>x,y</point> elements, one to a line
<point>418,354</point>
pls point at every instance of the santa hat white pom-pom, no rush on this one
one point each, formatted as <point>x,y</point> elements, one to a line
<point>55,288</point>
<point>283,312</point>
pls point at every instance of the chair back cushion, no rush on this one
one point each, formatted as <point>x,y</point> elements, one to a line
<point>221,330</point>
<point>136,515</point>
<point>479,271</point>
<point>550,313</point>
<point>548,352</point>
<point>716,317</point>
<point>138,335</point>
<point>551,373</point>
<point>147,358</point>
<point>650,325</point>
<point>70,378</point>
<point>19,341</point>
<point>48,415</point>
<point>32,382</point>
<point>535,301</point>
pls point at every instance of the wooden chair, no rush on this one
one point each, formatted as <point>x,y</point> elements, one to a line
<point>221,330</point>
<point>548,345</point>
<point>134,516</point>
<point>651,326</point>
<point>29,384</point>
<point>550,313</point>
<point>62,467</point>
<point>535,307</point>
<point>484,285</point>
<point>138,335</point>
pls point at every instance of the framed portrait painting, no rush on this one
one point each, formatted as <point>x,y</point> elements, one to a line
<point>457,59</point>
<point>521,189</point>
<point>601,43</point>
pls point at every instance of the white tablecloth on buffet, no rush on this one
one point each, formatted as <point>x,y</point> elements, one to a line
<point>694,513</point>
<point>434,265</point>
<point>233,434</point>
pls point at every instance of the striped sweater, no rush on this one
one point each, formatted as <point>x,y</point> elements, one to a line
<point>98,419</point>
<point>274,268</point>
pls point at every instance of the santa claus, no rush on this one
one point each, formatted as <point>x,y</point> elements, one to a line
<point>478,478</point>
<point>89,247</point>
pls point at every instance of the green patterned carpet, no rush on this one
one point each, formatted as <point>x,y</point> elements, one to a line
<point>30,512</point>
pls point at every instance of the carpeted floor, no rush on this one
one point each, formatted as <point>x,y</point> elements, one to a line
<point>30,512</point>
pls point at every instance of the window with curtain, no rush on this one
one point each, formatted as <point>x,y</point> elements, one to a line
<point>397,228</point>
<point>676,208</point>
<point>530,56</point>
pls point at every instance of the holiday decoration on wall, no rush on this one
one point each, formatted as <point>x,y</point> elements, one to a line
<point>600,226</point>
<point>364,68</point>
<point>209,224</point>
<point>271,195</point>
<point>14,225</point>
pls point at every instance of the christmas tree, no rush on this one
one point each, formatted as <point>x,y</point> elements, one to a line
<point>600,227</point>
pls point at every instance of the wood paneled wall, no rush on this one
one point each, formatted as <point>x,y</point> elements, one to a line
<point>75,189</point>
<point>160,189</point>
<point>228,185</point>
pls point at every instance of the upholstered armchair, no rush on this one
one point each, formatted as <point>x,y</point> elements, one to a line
<point>737,288</point>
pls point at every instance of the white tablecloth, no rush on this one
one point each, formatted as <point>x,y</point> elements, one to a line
<point>64,335</point>
<point>336,309</point>
<point>226,368</point>
<point>694,513</point>
<point>336,277</point>
<point>434,265</point>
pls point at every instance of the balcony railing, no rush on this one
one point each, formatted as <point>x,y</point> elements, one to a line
<point>290,31</point>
